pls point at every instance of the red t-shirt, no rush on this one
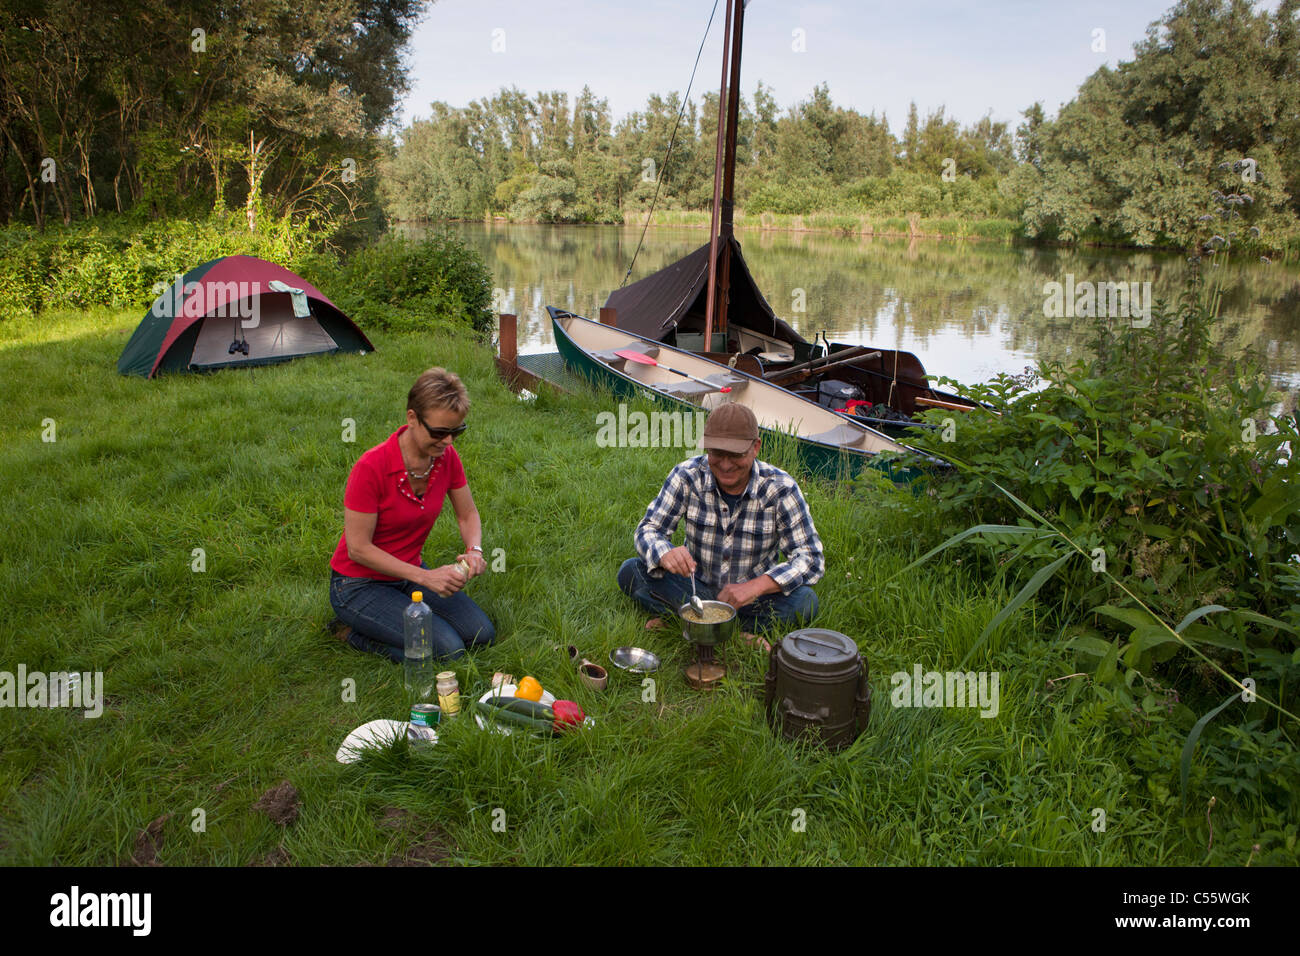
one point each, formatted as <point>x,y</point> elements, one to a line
<point>379,485</point>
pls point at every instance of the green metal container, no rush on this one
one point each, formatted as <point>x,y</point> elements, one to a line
<point>817,686</point>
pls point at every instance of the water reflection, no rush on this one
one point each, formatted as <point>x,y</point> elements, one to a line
<point>969,310</point>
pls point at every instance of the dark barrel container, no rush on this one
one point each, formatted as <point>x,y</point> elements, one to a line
<point>817,685</point>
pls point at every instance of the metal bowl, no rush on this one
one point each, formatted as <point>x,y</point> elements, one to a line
<point>708,634</point>
<point>634,660</point>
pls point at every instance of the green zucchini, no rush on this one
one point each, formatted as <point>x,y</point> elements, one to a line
<point>527,714</point>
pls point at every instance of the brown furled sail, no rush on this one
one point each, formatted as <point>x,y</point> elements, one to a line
<point>676,298</point>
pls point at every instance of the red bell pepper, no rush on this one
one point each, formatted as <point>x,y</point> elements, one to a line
<point>567,714</point>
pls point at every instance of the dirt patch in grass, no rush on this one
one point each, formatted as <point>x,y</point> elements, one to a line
<point>422,845</point>
<point>428,849</point>
<point>148,842</point>
<point>277,857</point>
<point>395,817</point>
<point>280,804</point>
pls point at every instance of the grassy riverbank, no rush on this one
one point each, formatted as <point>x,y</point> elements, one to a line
<point>223,683</point>
<point>844,224</point>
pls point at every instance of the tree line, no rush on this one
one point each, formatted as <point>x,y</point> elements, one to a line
<point>182,108</point>
<point>159,108</point>
<point>542,158</point>
<point>1195,139</point>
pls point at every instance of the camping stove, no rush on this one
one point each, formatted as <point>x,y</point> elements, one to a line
<point>705,671</point>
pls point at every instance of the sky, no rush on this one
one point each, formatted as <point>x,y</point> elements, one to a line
<point>972,57</point>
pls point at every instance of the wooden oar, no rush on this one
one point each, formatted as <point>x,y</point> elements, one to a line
<point>854,352</point>
<point>785,379</point>
<point>936,403</point>
<point>642,359</point>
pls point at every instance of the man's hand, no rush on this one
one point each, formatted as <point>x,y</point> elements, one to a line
<point>738,595</point>
<point>678,561</point>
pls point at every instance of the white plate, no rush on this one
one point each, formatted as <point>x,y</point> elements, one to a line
<point>508,690</point>
<point>505,690</point>
<point>375,735</point>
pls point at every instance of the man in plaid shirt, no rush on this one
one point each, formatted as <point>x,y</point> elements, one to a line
<point>741,516</point>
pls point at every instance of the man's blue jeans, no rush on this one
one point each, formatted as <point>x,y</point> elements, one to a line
<point>670,592</point>
<point>373,609</point>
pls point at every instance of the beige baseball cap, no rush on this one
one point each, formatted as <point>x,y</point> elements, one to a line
<point>730,427</point>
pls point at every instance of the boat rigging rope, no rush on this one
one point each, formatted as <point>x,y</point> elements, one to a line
<point>671,140</point>
<point>893,384</point>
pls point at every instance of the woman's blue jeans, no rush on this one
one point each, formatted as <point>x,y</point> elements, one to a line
<point>373,609</point>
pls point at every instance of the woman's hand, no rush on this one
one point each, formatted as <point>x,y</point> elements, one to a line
<point>444,581</point>
<point>474,561</point>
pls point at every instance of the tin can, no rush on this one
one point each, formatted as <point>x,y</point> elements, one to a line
<point>426,715</point>
<point>449,693</point>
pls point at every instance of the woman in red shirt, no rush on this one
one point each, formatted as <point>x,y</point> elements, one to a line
<point>393,497</point>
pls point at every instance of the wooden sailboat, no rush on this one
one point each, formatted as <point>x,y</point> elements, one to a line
<point>829,444</point>
<point>709,303</point>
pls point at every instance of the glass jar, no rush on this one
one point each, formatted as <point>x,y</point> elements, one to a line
<point>448,693</point>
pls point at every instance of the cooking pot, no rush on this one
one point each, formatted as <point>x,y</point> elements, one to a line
<point>707,635</point>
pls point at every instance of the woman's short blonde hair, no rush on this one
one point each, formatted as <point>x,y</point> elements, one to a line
<point>438,388</point>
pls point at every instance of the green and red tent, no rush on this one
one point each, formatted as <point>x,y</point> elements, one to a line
<point>236,311</point>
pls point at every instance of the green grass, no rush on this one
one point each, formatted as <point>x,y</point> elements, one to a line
<point>221,684</point>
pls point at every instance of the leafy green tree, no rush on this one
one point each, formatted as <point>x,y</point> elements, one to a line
<point>552,196</point>
<point>1029,136</point>
<point>911,142</point>
<point>1138,153</point>
<point>436,172</point>
<point>204,103</point>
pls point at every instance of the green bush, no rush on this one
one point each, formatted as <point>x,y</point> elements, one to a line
<point>792,200</point>
<point>118,261</point>
<point>1158,457</point>
<point>1004,229</point>
<point>1153,497</point>
<point>952,228</point>
<point>401,285</point>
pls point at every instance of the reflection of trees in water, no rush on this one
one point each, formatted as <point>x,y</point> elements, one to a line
<point>864,288</point>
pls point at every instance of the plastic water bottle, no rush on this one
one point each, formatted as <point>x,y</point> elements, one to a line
<point>417,627</point>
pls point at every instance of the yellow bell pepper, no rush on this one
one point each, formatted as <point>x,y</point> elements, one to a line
<point>529,689</point>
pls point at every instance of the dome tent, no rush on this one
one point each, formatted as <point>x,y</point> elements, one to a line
<point>235,311</point>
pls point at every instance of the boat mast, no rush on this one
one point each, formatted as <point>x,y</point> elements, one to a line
<point>729,171</point>
<point>724,176</point>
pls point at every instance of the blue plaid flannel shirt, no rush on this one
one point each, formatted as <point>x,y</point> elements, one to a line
<point>772,519</point>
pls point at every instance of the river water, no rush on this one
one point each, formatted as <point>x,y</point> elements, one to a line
<point>968,309</point>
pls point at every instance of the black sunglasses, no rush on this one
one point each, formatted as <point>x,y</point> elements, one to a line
<point>438,434</point>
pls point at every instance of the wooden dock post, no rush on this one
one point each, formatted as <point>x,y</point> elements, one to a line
<point>508,357</point>
<point>508,350</point>
<point>509,338</point>
<point>608,316</point>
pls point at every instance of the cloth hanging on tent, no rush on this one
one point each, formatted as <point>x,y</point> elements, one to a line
<point>300,309</point>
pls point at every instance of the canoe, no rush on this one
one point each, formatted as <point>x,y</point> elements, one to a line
<point>668,306</point>
<point>830,444</point>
